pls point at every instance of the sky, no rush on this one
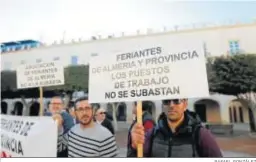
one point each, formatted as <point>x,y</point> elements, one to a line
<point>53,20</point>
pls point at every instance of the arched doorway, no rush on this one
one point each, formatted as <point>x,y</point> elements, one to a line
<point>208,110</point>
<point>150,107</point>
<point>241,114</point>
<point>240,111</point>
<point>18,108</point>
<point>230,115</point>
<point>121,112</point>
<point>4,107</point>
<point>235,115</point>
<point>109,108</point>
<point>109,112</point>
<point>48,105</point>
<point>34,109</point>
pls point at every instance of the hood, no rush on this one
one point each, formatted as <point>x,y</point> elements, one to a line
<point>147,116</point>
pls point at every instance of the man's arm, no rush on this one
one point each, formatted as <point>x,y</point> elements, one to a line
<point>208,145</point>
<point>132,150</point>
<point>68,121</point>
<point>62,139</point>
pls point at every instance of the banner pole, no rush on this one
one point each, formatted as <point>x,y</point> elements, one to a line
<point>139,121</point>
<point>41,101</point>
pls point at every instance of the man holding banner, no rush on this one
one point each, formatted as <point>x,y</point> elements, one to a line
<point>56,106</point>
<point>179,133</point>
<point>157,68</point>
<point>147,120</point>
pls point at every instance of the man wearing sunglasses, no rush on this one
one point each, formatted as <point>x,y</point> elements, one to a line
<point>100,118</point>
<point>179,133</point>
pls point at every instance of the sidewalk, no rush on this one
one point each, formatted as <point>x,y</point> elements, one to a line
<point>238,146</point>
<point>230,154</point>
<point>253,135</point>
<point>243,144</point>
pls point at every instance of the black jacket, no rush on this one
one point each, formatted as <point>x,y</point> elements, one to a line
<point>109,116</point>
<point>191,139</point>
<point>183,143</point>
<point>107,124</point>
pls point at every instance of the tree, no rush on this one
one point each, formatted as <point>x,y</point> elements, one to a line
<point>8,85</point>
<point>115,105</point>
<point>76,78</point>
<point>236,76</point>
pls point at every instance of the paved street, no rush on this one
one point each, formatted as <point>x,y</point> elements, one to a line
<point>241,144</point>
<point>122,153</point>
<point>235,146</point>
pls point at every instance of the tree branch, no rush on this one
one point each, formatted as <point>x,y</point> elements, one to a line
<point>114,109</point>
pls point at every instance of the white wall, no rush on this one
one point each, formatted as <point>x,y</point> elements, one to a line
<point>216,39</point>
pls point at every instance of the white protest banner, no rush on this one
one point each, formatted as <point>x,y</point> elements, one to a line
<point>40,75</point>
<point>28,136</point>
<point>153,69</point>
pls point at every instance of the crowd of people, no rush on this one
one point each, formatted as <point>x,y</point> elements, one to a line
<point>84,130</point>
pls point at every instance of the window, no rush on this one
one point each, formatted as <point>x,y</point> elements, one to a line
<point>230,115</point>
<point>74,60</point>
<point>56,58</point>
<point>234,47</point>
<point>38,60</point>
<point>241,114</point>
<point>235,117</point>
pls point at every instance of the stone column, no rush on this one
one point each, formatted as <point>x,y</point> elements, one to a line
<point>129,107</point>
<point>158,109</point>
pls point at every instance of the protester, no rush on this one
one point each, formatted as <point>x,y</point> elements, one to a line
<point>147,120</point>
<point>108,116</point>
<point>87,139</point>
<point>56,106</point>
<point>179,133</point>
<point>100,118</point>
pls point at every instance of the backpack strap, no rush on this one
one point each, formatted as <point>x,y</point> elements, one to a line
<point>153,135</point>
<point>196,138</point>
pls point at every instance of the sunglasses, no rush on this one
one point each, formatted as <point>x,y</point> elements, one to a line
<point>174,101</point>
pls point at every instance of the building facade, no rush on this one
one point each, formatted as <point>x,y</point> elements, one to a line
<point>216,41</point>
